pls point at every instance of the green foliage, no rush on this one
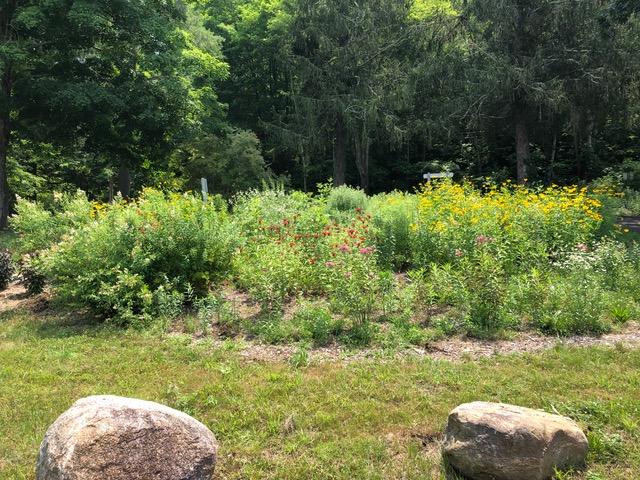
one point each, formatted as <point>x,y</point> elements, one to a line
<point>392,216</point>
<point>31,274</point>
<point>319,325</point>
<point>422,264</point>
<point>574,305</point>
<point>230,164</point>
<point>40,228</point>
<point>137,260</point>
<point>484,282</point>
<point>346,200</point>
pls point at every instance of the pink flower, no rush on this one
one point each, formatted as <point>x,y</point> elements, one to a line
<point>366,250</point>
<point>458,253</point>
<point>582,247</point>
<point>330,264</point>
<point>482,239</point>
<point>344,248</point>
<point>348,274</point>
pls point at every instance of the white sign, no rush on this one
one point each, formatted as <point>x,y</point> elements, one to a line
<point>429,176</point>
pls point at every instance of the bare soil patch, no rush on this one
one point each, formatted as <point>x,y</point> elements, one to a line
<point>452,348</point>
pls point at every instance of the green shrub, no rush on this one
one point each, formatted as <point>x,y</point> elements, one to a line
<point>133,259</point>
<point>393,215</point>
<point>255,209</point>
<point>485,283</point>
<point>344,202</point>
<point>6,269</point>
<point>575,304</point>
<point>39,228</point>
<point>216,310</point>
<point>31,275</point>
<point>271,273</point>
<point>356,287</point>
<point>317,324</point>
<point>523,296</point>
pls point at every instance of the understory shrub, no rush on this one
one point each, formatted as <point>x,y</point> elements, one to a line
<point>393,214</point>
<point>343,201</point>
<point>137,260</point>
<point>485,282</point>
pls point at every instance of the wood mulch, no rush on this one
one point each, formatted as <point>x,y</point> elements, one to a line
<point>452,349</point>
<point>458,348</point>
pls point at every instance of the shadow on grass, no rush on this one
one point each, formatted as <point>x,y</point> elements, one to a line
<point>53,322</point>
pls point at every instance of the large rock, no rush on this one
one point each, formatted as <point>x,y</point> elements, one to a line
<point>116,438</point>
<point>495,441</point>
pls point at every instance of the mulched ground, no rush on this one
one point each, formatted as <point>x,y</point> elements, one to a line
<point>458,348</point>
<point>453,349</point>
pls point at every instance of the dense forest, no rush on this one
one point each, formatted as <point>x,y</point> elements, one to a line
<point>111,96</point>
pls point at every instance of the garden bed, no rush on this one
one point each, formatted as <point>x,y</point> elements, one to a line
<point>340,267</point>
<point>453,348</point>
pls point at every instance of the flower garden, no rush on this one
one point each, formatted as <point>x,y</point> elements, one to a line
<point>341,267</point>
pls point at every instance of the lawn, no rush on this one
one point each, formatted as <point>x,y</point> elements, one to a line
<point>368,418</point>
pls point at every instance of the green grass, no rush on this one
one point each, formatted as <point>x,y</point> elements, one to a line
<point>364,419</point>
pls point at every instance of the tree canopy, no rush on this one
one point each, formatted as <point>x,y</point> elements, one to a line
<point>109,95</point>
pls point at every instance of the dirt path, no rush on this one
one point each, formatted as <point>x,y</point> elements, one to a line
<point>13,297</point>
<point>455,348</point>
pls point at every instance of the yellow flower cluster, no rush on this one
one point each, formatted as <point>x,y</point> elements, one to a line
<point>557,212</point>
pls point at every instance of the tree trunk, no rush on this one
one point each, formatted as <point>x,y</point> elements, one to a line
<point>6,87</point>
<point>305,170</point>
<point>582,140</point>
<point>4,184</point>
<point>339,153</point>
<point>124,182</point>
<point>522,147</point>
<point>362,158</point>
<point>550,153</point>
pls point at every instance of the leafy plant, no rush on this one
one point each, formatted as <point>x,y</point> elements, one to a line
<point>344,201</point>
<point>6,269</point>
<point>134,257</point>
<point>31,275</point>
